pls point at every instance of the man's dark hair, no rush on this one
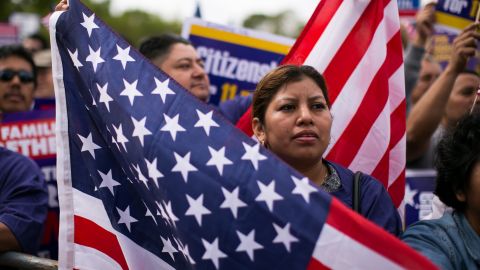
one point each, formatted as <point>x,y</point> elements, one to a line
<point>158,47</point>
<point>20,52</point>
<point>41,39</point>
<point>457,154</point>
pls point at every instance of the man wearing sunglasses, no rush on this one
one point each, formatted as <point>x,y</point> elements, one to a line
<point>18,79</point>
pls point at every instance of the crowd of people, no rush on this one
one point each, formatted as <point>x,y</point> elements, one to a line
<point>291,117</point>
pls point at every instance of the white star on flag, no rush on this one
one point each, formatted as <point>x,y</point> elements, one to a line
<point>162,89</point>
<point>123,56</point>
<point>88,23</point>
<point>148,213</point>
<point>153,172</point>
<point>104,97</point>
<point>187,254</point>
<point>232,201</point>
<point>131,91</point>
<point>75,60</point>
<point>183,165</point>
<point>172,126</point>
<point>284,236</point>
<point>140,130</point>
<point>248,244</point>
<point>168,247</point>
<point>167,212</point>
<point>108,181</point>
<point>88,144</point>
<point>205,121</point>
<point>212,252</point>
<point>268,194</point>
<point>196,208</point>
<point>218,159</point>
<point>141,177</point>
<point>125,217</point>
<point>303,188</point>
<point>94,58</point>
<point>252,153</point>
<point>120,137</point>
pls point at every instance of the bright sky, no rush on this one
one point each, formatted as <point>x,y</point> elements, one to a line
<point>231,12</point>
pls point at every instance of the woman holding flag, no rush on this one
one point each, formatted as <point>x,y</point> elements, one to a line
<point>291,117</point>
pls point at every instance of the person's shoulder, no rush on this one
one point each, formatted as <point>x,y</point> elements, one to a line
<point>11,161</point>
<point>346,175</point>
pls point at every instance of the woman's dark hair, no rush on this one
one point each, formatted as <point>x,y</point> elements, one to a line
<point>457,154</point>
<point>268,87</point>
<point>19,51</point>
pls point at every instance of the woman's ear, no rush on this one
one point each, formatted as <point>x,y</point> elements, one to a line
<point>258,130</point>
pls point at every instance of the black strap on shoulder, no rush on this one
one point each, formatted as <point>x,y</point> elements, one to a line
<point>356,191</point>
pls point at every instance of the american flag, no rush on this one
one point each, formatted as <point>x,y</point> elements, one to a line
<point>356,45</point>
<point>151,178</point>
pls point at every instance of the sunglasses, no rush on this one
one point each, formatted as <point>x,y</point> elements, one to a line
<point>7,75</point>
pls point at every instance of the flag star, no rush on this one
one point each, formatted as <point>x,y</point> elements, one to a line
<point>172,126</point>
<point>248,244</point>
<point>162,89</point>
<point>409,196</point>
<point>125,217</point>
<point>88,144</point>
<point>196,208</point>
<point>88,23</point>
<point>268,194</point>
<point>120,137</point>
<point>284,236</point>
<point>131,91</point>
<point>123,56</point>
<point>205,121</point>
<point>232,201</point>
<point>252,153</point>
<point>212,252</point>
<point>148,213</point>
<point>75,60</point>
<point>303,188</point>
<point>94,57</point>
<point>104,97</point>
<point>167,212</point>
<point>183,165</point>
<point>140,130</point>
<point>187,254</point>
<point>153,172</point>
<point>218,159</point>
<point>141,177</point>
<point>168,247</point>
<point>108,181</point>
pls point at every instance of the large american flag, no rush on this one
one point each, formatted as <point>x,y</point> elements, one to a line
<point>151,178</point>
<point>356,45</point>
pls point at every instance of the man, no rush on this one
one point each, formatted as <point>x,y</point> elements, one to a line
<point>178,58</point>
<point>43,61</point>
<point>18,78</point>
<point>449,98</point>
<point>23,203</point>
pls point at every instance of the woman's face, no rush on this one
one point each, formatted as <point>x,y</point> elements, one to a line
<point>472,197</point>
<point>297,123</point>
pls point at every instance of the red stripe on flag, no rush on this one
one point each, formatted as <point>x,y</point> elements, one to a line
<point>316,265</point>
<point>374,238</point>
<point>311,33</point>
<point>245,122</point>
<point>397,189</point>
<point>88,233</point>
<point>353,48</point>
<point>348,144</point>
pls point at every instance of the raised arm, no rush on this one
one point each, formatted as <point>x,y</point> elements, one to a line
<point>427,113</point>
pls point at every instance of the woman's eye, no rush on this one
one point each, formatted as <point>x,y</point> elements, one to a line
<point>287,107</point>
<point>318,106</point>
<point>184,66</point>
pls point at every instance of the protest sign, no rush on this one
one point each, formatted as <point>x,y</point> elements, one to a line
<point>235,58</point>
<point>419,188</point>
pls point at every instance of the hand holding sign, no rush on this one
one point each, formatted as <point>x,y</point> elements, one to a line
<point>463,47</point>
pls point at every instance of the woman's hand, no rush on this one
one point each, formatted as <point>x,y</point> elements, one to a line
<point>62,6</point>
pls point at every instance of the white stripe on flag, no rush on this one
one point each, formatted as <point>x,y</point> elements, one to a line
<point>92,209</point>
<point>345,18</point>
<point>396,84</point>
<point>397,160</point>
<point>338,251</point>
<point>89,258</point>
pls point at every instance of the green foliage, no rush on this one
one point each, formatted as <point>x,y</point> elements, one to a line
<point>133,25</point>
<point>283,23</point>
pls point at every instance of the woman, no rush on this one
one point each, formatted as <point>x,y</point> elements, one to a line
<point>453,241</point>
<point>291,117</point>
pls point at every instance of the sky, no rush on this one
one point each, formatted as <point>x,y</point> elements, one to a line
<point>230,12</point>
